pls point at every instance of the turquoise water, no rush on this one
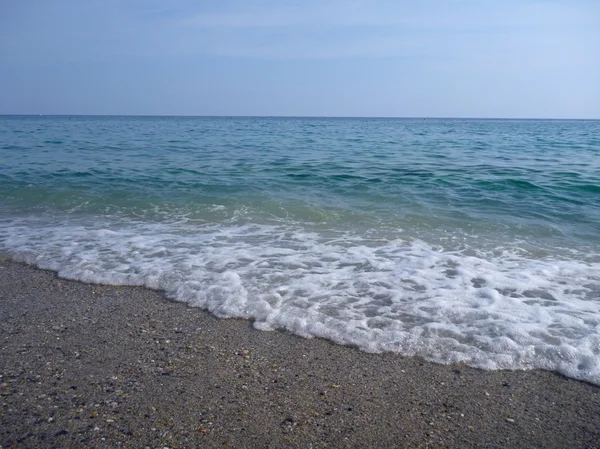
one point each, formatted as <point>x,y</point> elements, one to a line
<point>456,240</point>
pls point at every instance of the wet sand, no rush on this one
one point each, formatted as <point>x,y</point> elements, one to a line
<point>101,366</point>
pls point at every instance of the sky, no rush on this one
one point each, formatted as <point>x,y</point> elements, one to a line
<point>385,58</point>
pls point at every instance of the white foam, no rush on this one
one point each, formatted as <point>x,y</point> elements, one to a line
<point>496,310</point>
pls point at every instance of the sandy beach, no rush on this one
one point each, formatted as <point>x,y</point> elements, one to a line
<point>101,366</point>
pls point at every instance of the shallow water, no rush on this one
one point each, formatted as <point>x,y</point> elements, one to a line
<point>457,240</point>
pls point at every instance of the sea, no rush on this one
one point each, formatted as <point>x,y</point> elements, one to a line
<point>456,240</point>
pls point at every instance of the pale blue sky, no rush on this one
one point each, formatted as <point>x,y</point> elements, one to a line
<point>433,58</point>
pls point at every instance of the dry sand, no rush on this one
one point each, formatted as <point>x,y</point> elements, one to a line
<point>100,366</point>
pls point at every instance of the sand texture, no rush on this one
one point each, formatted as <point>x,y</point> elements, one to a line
<point>101,366</point>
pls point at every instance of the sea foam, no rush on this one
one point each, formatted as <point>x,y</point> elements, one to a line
<point>499,309</point>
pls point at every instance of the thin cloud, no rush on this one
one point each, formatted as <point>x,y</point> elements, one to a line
<point>447,15</point>
<point>358,28</point>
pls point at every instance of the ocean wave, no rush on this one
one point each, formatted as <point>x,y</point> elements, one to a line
<point>498,309</point>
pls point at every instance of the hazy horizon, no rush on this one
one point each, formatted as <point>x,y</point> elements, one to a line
<point>373,117</point>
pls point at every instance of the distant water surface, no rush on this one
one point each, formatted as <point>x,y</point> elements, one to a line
<point>456,240</point>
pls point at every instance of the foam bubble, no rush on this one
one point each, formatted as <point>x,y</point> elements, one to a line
<point>502,309</point>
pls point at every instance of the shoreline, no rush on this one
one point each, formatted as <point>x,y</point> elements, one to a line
<point>104,366</point>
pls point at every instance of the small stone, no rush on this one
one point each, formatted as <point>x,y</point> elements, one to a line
<point>510,420</point>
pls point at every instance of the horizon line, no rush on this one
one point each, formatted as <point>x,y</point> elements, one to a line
<point>301,116</point>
